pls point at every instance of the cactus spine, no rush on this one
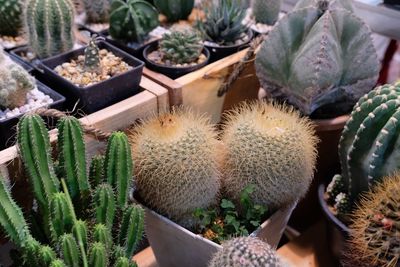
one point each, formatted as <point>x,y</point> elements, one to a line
<point>102,234</point>
<point>266,11</point>
<point>96,170</point>
<point>118,166</point>
<point>50,25</point>
<point>57,263</point>
<point>181,47</point>
<point>69,250</point>
<point>105,205</point>
<point>131,229</point>
<point>61,217</point>
<point>10,17</point>
<point>80,231</point>
<point>176,164</point>
<point>175,10</point>
<point>97,255</point>
<point>97,11</point>
<point>46,255</point>
<point>269,146</point>
<point>246,251</point>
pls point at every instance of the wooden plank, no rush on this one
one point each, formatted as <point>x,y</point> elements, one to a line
<point>146,258</point>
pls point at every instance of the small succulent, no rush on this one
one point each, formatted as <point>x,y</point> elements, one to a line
<point>92,57</point>
<point>181,46</point>
<point>10,17</point>
<point>175,10</point>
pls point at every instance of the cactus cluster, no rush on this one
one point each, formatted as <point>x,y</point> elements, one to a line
<point>50,25</point>
<point>271,147</point>
<point>10,17</point>
<point>224,22</point>
<point>246,251</point>
<point>176,164</point>
<point>77,215</point>
<point>319,58</point>
<point>181,46</point>
<point>15,83</point>
<point>97,11</point>
<point>175,10</point>
<point>375,239</point>
<point>133,20</point>
<point>266,11</point>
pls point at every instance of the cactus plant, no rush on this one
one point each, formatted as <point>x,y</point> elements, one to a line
<point>131,21</point>
<point>57,263</point>
<point>69,250</point>
<point>50,25</point>
<point>175,10</point>
<point>92,57</point>
<point>266,11</point>
<point>176,164</point>
<point>98,255</point>
<point>10,17</point>
<point>181,47</point>
<point>246,251</point>
<point>80,231</point>
<point>61,217</point>
<point>97,11</point>
<point>96,170</point>
<point>375,229</point>
<point>131,229</point>
<point>224,22</point>
<point>319,58</point>
<point>269,146</point>
<point>15,83</point>
<point>46,255</point>
<point>102,234</point>
<point>105,205</point>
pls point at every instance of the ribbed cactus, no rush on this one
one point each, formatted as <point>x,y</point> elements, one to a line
<point>80,231</point>
<point>375,239</point>
<point>10,17</point>
<point>176,164</point>
<point>175,10</point>
<point>97,255</point>
<point>367,149</point>
<point>35,150</point>
<point>246,251</point>
<point>15,83</point>
<point>31,251</point>
<point>119,167</point>
<point>57,263</point>
<point>61,217</point>
<point>181,47</point>
<point>69,250</point>
<point>319,58</point>
<point>132,21</point>
<point>50,25</point>
<point>124,262</point>
<point>104,204</point>
<point>269,146</point>
<point>97,11</point>
<point>266,11</point>
<point>96,170</point>
<point>102,234</point>
<point>46,255</point>
<point>92,56</point>
<point>131,229</point>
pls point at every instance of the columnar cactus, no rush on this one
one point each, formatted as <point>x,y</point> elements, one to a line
<point>105,205</point>
<point>10,17</point>
<point>50,25</point>
<point>266,11</point>
<point>175,10</point>
<point>61,217</point>
<point>102,234</point>
<point>176,164</point>
<point>375,229</point>
<point>269,146</point>
<point>181,47</point>
<point>97,11</point>
<point>46,255</point>
<point>131,229</point>
<point>246,251</point>
<point>98,255</point>
<point>133,20</point>
<point>320,58</point>
<point>57,263</point>
<point>15,83</point>
<point>69,250</point>
<point>80,231</point>
<point>96,170</point>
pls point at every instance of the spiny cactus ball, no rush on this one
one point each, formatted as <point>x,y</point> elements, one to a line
<point>181,46</point>
<point>375,238</point>
<point>246,251</point>
<point>176,164</point>
<point>272,147</point>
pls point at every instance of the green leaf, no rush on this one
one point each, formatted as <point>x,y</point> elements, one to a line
<point>227,204</point>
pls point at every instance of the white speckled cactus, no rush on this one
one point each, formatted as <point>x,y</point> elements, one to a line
<point>320,58</point>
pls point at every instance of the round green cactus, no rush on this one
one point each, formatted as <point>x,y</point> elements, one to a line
<point>266,11</point>
<point>319,58</point>
<point>176,164</point>
<point>181,47</point>
<point>246,251</point>
<point>175,10</point>
<point>10,17</point>
<point>269,146</point>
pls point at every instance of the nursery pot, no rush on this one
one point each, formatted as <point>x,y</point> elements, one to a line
<point>170,71</point>
<point>100,95</point>
<point>175,246</point>
<point>336,231</point>
<point>218,52</point>
<point>16,55</point>
<point>8,126</point>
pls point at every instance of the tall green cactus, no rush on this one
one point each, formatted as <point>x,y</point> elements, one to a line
<point>50,25</point>
<point>266,11</point>
<point>131,229</point>
<point>97,11</point>
<point>104,204</point>
<point>72,158</point>
<point>46,255</point>
<point>320,58</point>
<point>80,231</point>
<point>69,250</point>
<point>175,10</point>
<point>10,17</point>
<point>98,255</point>
<point>124,262</point>
<point>132,21</point>
<point>96,170</point>
<point>35,149</point>
<point>119,167</point>
<point>61,217</point>
<point>57,263</point>
<point>102,234</point>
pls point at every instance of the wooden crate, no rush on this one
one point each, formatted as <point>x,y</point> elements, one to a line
<point>199,89</point>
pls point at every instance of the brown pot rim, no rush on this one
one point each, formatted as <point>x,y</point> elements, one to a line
<point>337,123</point>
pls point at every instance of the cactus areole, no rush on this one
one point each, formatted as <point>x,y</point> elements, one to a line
<point>319,58</point>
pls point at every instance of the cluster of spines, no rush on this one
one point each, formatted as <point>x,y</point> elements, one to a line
<point>181,46</point>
